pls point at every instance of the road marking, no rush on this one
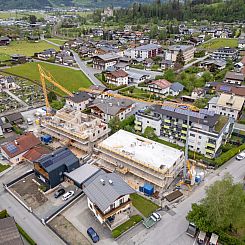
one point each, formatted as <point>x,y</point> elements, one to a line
<point>195,241</point>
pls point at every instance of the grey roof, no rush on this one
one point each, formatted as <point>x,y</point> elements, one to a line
<point>83,173</point>
<point>62,156</point>
<point>234,76</point>
<point>135,75</point>
<point>108,57</point>
<point>111,106</point>
<point>202,117</point>
<point>14,117</point>
<point>80,97</point>
<point>148,47</point>
<point>219,62</point>
<point>104,195</point>
<point>9,234</point>
<point>180,47</point>
<point>1,122</point>
<point>177,87</point>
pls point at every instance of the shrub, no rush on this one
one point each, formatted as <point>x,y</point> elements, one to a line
<point>25,235</point>
<point>3,214</point>
<point>116,233</point>
<point>229,240</point>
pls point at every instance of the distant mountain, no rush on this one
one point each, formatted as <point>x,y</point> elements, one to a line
<point>41,4</point>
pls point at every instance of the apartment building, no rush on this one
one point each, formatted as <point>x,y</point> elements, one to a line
<point>145,51</point>
<point>118,78</point>
<point>225,54</point>
<point>207,130</point>
<point>77,129</point>
<point>108,198</point>
<point>172,52</point>
<point>227,104</point>
<point>234,78</point>
<point>140,160</point>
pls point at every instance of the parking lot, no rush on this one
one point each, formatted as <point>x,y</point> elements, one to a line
<point>82,218</point>
<point>43,205</point>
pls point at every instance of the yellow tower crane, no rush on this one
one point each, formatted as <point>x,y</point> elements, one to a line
<point>44,75</point>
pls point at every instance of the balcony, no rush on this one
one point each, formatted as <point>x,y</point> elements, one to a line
<point>183,132</point>
<point>138,128</point>
<point>138,122</point>
<point>183,137</point>
<point>167,120</point>
<point>166,126</point>
<point>210,151</point>
<point>210,145</point>
<point>41,170</point>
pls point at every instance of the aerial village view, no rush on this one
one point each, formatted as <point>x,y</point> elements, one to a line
<point>122,122</point>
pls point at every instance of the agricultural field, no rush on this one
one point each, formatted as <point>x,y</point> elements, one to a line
<point>25,48</point>
<point>4,57</point>
<point>69,78</point>
<point>18,15</point>
<point>219,43</point>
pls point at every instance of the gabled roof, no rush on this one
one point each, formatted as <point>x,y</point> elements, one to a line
<point>80,97</point>
<point>35,153</point>
<point>177,87</point>
<point>58,158</point>
<point>234,76</point>
<point>108,57</point>
<point>23,143</point>
<point>103,195</point>
<point>118,73</point>
<point>9,234</point>
<point>14,117</point>
<point>161,83</point>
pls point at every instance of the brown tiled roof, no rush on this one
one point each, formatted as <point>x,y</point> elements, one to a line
<point>243,60</point>
<point>23,143</point>
<point>237,90</point>
<point>162,83</point>
<point>35,153</point>
<point>119,73</point>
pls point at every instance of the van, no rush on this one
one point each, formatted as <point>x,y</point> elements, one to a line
<point>29,121</point>
<point>157,216</point>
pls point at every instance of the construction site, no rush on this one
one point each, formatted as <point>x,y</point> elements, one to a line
<point>139,160</point>
<point>76,129</point>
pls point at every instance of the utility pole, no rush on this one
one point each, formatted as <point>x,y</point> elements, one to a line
<point>186,147</point>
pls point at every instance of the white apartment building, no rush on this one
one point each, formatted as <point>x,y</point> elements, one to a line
<point>172,52</point>
<point>144,51</point>
<point>227,104</point>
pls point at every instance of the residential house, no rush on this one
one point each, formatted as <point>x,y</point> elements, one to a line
<point>14,151</point>
<point>207,130</point>
<point>176,88</point>
<point>160,87</point>
<point>15,118</point>
<point>4,41</point>
<point>118,78</point>
<point>172,52</point>
<point>198,93</point>
<point>46,54</point>
<point>228,89</point>
<point>137,77</point>
<point>7,83</point>
<point>225,54</point>
<point>109,107</point>
<point>166,64</point>
<point>234,78</point>
<point>241,43</point>
<point>79,100</point>
<point>213,65</point>
<point>102,62</point>
<point>50,168</point>
<point>35,153</point>
<point>19,59</point>
<point>227,104</point>
<point>108,197</point>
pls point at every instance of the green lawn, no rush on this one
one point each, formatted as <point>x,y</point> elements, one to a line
<point>57,41</point>
<point>4,57</point>
<point>125,226</point>
<point>68,78</point>
<point>25,47</point>
<point>219,43</point>
<point>3,167</point>
<point>145,206</point>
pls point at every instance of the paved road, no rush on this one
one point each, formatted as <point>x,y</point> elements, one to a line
<point>40,233</point>
<point>171,229</point>
<point>16,98</point>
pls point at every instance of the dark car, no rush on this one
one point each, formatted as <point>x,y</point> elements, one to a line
<point>93,235</point>
<point>59,192</point>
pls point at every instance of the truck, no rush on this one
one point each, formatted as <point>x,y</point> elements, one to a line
<point>191,230</point>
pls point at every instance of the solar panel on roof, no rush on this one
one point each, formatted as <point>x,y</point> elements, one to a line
<point>225,88</point>
<point>11,148</point>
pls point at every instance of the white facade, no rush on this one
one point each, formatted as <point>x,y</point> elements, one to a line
<point>172,52</point>
<point>77,106</point>
<point>118,81</point>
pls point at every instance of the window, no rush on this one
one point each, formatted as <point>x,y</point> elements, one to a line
<point>147,122</point>
<point>121,201</point>
<point>192,135</point>
<point>200,137</point>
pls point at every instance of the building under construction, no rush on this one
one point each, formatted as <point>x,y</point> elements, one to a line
<point>76,129</point>
<point>140,160</point>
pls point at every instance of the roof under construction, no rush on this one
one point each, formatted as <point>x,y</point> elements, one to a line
<point>140,149</point>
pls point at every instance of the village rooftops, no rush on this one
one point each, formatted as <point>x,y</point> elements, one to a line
<point>148,47</point>
<point>108,57</point>
<point>140,149</point>
<point>20,145</point>
<point>234,76</point>
<point>118,73</point>
<point>106,189</point>
<point>231,101</point>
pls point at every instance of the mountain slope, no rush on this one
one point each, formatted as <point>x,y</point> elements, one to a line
<point>23,4</point>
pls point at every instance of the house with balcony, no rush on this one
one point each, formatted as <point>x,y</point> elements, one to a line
<point>225,54</point>
<point>118,78</point>
<point>234,78</point>
<point>108,197</point>
<point>102,62</point>
<point>51,167</point>
<point>145,51</point>
<point>79,100</point>
<point>207,130</point>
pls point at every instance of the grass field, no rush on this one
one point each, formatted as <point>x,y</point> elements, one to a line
<point>68,78</point>
<point>145,206</point>
<point>25,47</point>
<point>57,41</point>
<point>219,43</point>
<point>18,15</point>
<point>3,167</point>
<point>4,57</point>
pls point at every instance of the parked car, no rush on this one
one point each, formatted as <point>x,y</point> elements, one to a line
<point>157,216</point>
<point>93,235</point>
<point>67,195</point>
<point>240,156</point>
<point>59,192</point>
<point>201,239</point>
<point>191,230</point>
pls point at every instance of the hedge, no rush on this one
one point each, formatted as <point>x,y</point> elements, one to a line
<point>228,155</point>
<point>125,226</point>
<point>25,235</point>
<point>3,214</point>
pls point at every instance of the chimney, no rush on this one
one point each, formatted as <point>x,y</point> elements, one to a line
<point>110,182</point>
<point>102,181</point>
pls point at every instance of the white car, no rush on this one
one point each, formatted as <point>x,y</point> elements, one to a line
<point>240,156</point>
<point>157,216</point>
<point>67,195</point>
